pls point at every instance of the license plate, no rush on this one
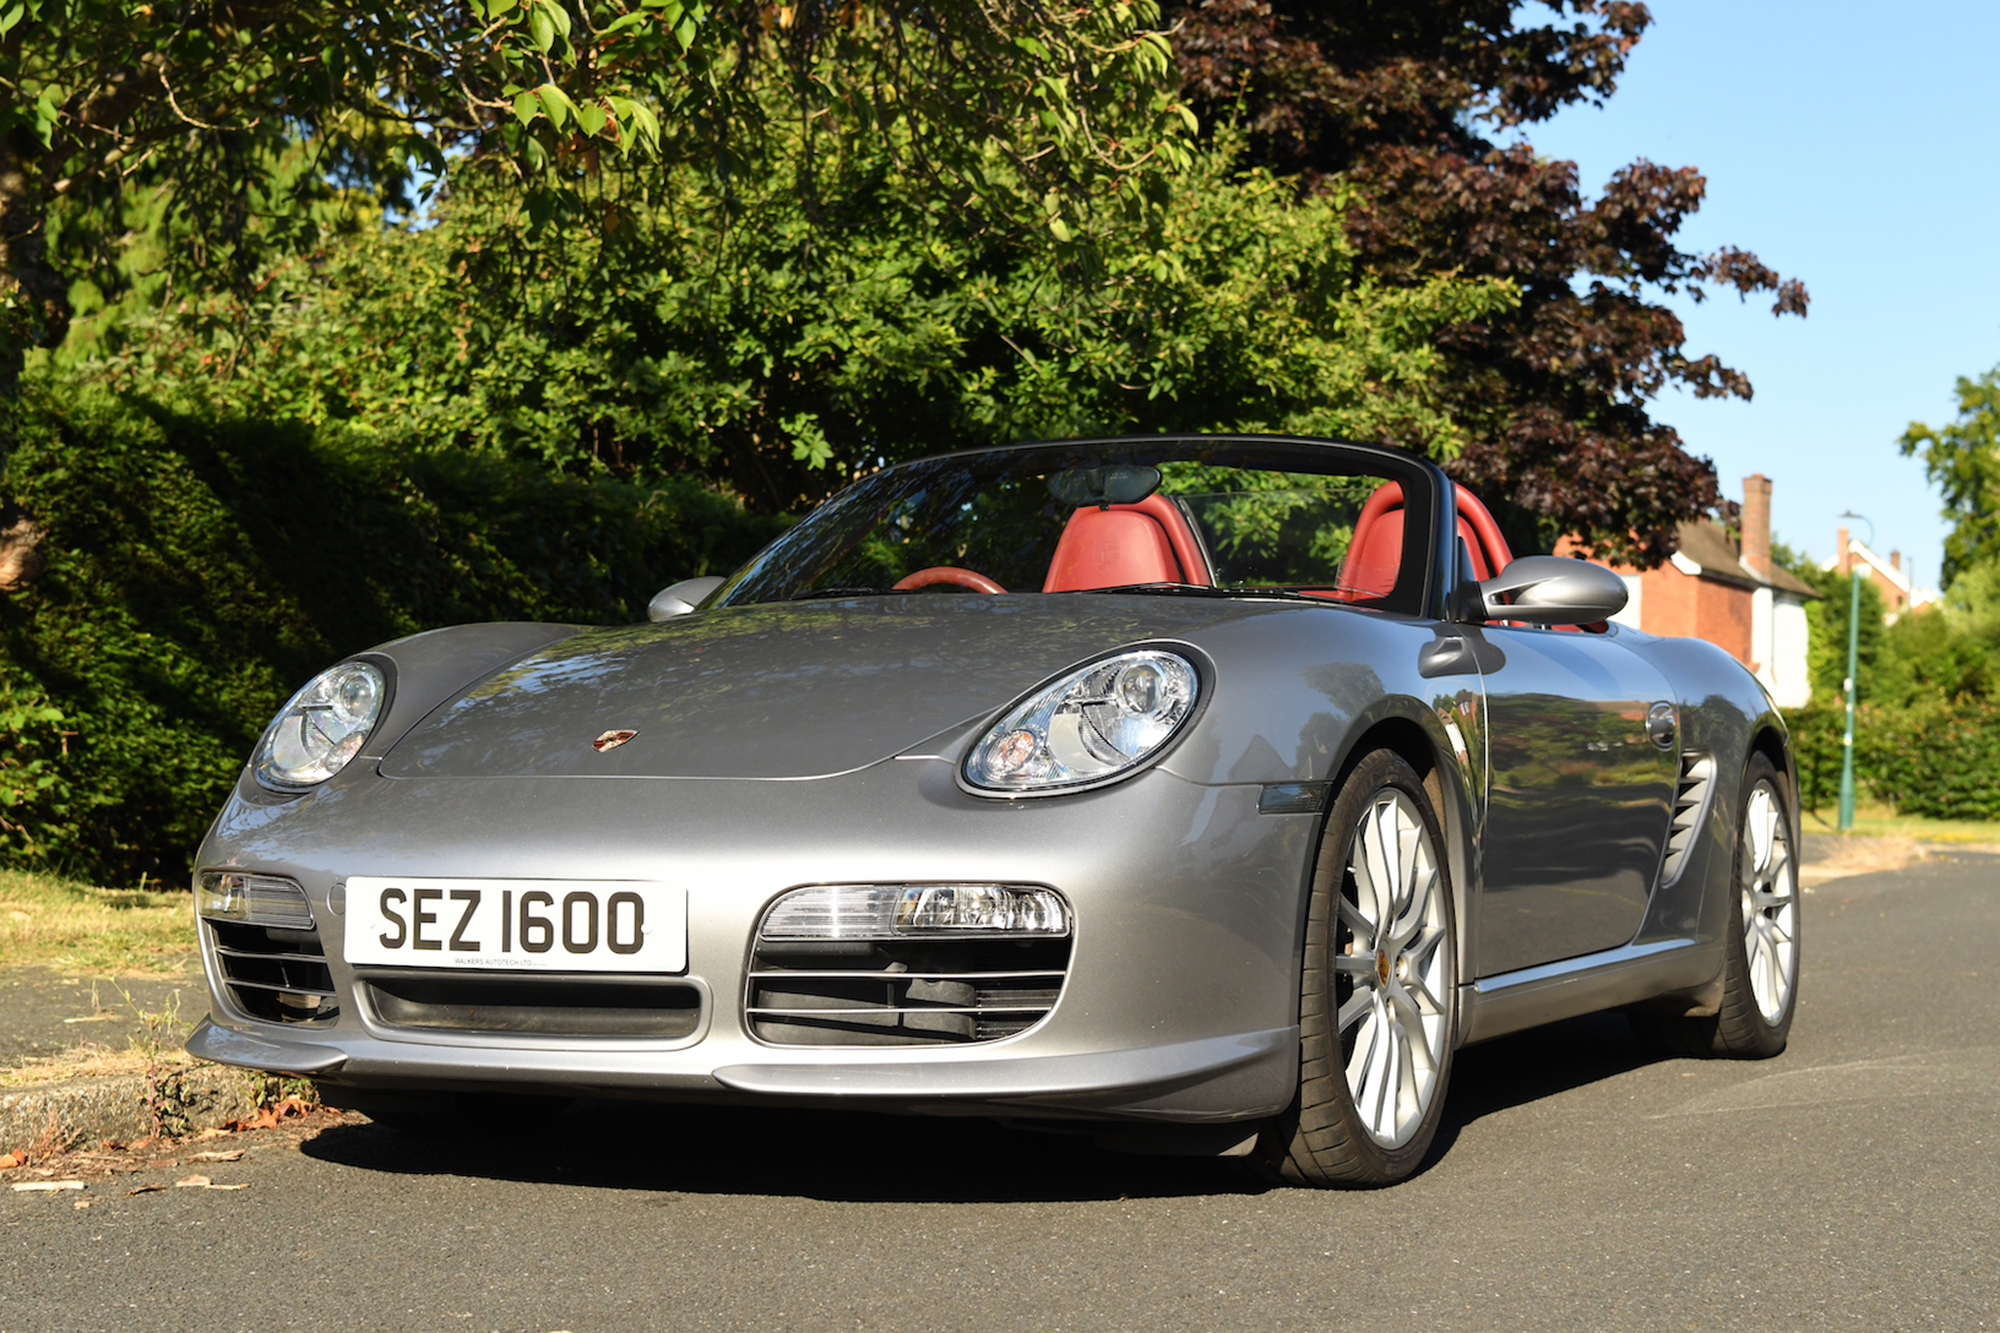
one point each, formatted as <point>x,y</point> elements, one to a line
<point>537,925</point>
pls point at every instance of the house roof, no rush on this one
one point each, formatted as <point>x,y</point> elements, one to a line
<point>1882,567</point>
<point>1707,546</point>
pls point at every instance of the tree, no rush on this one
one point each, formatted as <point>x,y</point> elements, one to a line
<point>778,344</point>
<point>205,106</point>
<point>1963,461</point>
<point>1407,103</point>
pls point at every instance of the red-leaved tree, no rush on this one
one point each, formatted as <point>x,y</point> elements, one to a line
<point>1417,105</point>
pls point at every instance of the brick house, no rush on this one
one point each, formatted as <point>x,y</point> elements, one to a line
<point>1730,593</point>
<point>1889,577</point>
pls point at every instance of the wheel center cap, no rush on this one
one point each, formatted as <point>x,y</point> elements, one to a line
<point>1382,966</point>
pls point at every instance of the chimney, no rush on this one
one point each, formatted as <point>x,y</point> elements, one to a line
<point>1843,558</point>
<point>1896,561</point>
<point>1757,524</point>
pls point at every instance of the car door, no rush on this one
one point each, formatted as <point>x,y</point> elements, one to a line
<point>1579,797</point>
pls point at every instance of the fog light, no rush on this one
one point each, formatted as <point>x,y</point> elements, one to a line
<point>260,900</point>
<point>916,911</point>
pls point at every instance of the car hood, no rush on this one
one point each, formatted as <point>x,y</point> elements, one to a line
<point>788,691</point>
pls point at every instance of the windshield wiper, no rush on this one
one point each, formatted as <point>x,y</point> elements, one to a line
<point>1203,590</point>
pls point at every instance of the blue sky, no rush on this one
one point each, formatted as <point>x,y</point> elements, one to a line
<point>1851,147</point>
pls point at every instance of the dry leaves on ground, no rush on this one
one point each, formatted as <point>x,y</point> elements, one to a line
<point>291,1108</point>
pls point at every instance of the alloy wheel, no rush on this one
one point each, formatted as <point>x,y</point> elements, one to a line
<point>1395,979</point>
<point>1770,898</point>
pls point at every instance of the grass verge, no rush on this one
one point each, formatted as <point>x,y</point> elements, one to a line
<point>47,921</point>
<point>1882,821</point>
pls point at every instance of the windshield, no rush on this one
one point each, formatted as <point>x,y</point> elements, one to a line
<point>1201,517</point>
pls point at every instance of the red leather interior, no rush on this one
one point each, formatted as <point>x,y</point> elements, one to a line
<point>1151,542</point>
<point>1376,552</point>
<point>1375,555</point>
<point>1490,552</point>
<point>1148,542</point>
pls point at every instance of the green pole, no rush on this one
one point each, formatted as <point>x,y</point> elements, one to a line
<point>1847,741</point>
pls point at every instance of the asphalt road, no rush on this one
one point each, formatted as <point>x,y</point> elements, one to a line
<point>1854,1182</point>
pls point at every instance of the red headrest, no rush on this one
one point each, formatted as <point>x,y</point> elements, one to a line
<point>1147,542</point>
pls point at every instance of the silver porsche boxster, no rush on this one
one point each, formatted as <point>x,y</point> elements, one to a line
<point>1203,794</point>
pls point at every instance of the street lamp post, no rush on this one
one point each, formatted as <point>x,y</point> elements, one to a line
<point>1853,666</point>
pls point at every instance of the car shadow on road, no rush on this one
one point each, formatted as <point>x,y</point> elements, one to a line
<point>859,1157</point>
<point>1527,1067</point>
<point>834,1156</point>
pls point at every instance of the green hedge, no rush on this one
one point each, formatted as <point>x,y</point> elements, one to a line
<point>1929,757</point>
<point>199,571</point>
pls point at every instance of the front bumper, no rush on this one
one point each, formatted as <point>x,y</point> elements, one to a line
<point>1180,1002</point>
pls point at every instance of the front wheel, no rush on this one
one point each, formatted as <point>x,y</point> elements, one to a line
<point>1378,990</point>
<point>1760,968</point>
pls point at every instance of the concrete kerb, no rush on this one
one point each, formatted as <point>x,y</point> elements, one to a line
<point>175,1100</point>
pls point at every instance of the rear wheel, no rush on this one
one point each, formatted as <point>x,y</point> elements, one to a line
<point>1760,969</point>
<point>1377,1001</point>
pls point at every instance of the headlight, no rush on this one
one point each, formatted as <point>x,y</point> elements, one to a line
<point>1093,724</point>
<point>322,728</point>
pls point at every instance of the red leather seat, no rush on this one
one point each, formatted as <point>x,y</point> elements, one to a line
<point>1375,555</point>
<point>1482,536</point>
<point>1147,542</point>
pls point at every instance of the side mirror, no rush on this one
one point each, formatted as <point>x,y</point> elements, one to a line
<point>682,597</point>
<point>1553,590</point>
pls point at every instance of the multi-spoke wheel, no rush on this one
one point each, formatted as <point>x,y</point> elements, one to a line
<point>1377,1018</point>
<point>1760,967</point>
<point>1768,904</point>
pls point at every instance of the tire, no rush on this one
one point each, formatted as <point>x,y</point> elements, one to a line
<point>1760,967</point>
<point>1378,1012</point>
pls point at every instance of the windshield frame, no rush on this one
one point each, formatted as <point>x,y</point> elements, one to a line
<point>1425,489</point>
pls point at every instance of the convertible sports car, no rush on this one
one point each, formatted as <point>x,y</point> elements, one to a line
<point>1203,794</point>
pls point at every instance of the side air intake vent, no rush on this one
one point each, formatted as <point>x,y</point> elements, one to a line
<point>1690,806</point>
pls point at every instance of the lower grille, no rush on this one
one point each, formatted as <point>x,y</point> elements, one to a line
<point>901,992</point>
<point>277,975</point>
<point>540,1006</point>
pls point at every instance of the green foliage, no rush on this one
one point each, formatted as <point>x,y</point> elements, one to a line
<point>1826,628</point>
<point>1929,757</point>
<point>31,748</point>
<point>1972,602</point>
<point>201,570</point>
<point>780,351</point>
<point>1963,460</point>
<point>192,105</point>
<point>1927,718</point>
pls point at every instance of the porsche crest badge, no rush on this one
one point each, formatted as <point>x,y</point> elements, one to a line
<point>611,740</point>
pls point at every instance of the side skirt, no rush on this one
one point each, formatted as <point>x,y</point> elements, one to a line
<point>1494,1006</point>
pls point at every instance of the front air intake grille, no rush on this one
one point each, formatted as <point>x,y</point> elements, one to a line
<point>901,992</point>
<point>534,1005</point>
<point>1690,805</point>
<point>274,974</point>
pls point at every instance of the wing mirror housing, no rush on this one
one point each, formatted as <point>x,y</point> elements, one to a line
<point>681,598</point>
<point>1553,590</point>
